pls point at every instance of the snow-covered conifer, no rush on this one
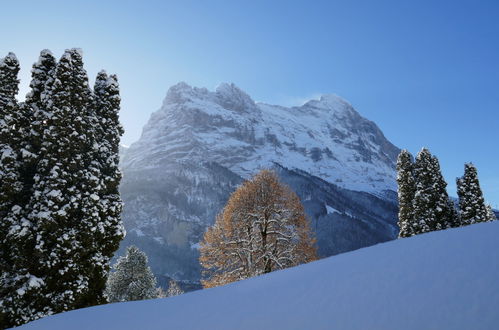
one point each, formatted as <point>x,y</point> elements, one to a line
<point>447,216</point>
<point>406,191</point>
<point>55,206</point>
<point>132,278</point>
<point>173,289</point>
<point>491,216</point>
<point>42,76</point>
<point>433,209</point>
<point>68,225</point>
<point>106,201</point>
<point>11,186</point>
<point>472,205</point>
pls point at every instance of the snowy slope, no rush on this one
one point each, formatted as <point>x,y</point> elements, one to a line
<point>200,145</point>
<point>441,280</point>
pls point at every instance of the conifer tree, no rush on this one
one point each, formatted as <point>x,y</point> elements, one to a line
<point>42,77</point>
<point>107,132</point>
<point>406,192</point>
<point>433,209</point>
<point>55,206</point>
<point>446,213</point>
<point>173,289</point>
<point>471,202</point>
<point>132,278</point>
<point>491,216</point>
<point>10,181</point>
<point>65,212</point>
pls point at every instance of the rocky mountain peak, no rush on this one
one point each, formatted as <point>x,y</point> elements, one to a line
<point>200,145</point>
<point>233,98</point>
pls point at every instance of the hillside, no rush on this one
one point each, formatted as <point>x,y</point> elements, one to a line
<point>441,280</point>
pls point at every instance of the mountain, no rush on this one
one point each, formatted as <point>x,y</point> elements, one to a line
<point>430,281</point>
<point>200,145</point>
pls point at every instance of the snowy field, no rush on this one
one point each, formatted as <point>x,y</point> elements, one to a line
<point>441,280</point>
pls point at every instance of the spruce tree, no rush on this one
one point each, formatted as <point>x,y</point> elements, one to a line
<point>433,209</point>
<point>471,202</point>
<point>132,278</point>
<point>406,192</point>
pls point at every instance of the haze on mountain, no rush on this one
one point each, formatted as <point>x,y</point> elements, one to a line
<point>200,145</point>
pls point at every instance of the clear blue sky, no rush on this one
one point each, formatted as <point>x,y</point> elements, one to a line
<point>427,72</point>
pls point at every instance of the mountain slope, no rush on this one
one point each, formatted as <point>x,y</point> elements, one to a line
<point>200,145</point>
<point>441,280</point>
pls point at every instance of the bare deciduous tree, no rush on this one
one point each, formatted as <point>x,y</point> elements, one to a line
<point>262,228</point>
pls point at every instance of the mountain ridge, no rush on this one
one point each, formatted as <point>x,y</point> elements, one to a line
<point>200,145</point>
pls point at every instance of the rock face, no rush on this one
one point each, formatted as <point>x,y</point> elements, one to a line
<point>200,145</point>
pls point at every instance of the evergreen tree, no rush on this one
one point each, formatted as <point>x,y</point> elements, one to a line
<point>471,202</point>
<point>132,278</point>
<point>173,289</point>
<point>56,204</point>
<point>42,77</point>
<point>406,192</point>
<point>10,181</point>
<point>59,198</point>
<point>433,209</point>
<point>447,215</point>
<point>109,228</point>
<point>491,216</point>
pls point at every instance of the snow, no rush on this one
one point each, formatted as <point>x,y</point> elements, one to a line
<point>440,280</point>
<point>228,127</point>
<point>331,210</point>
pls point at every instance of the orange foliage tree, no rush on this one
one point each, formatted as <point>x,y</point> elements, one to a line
<point>262,228</point>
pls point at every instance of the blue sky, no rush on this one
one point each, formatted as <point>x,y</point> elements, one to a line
<point>427,72</point>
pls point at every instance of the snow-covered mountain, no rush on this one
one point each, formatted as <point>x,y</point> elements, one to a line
<point>440,280</point>
<point>200,145</point>
<point>326,138</point>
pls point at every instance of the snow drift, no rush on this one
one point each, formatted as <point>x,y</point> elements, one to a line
<point>441,280</point>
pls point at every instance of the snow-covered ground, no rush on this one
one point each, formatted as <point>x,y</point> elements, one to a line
<point>441,280</point>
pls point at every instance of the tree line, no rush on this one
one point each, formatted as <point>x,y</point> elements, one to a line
<point>424,204</point>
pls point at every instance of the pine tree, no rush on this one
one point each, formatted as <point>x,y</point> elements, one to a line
<point>173,289</point>
<point>406,192</point>
<point>132,278</point>
<point>262,228</point>
<point>471,202</point>
<point>433,210</point>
